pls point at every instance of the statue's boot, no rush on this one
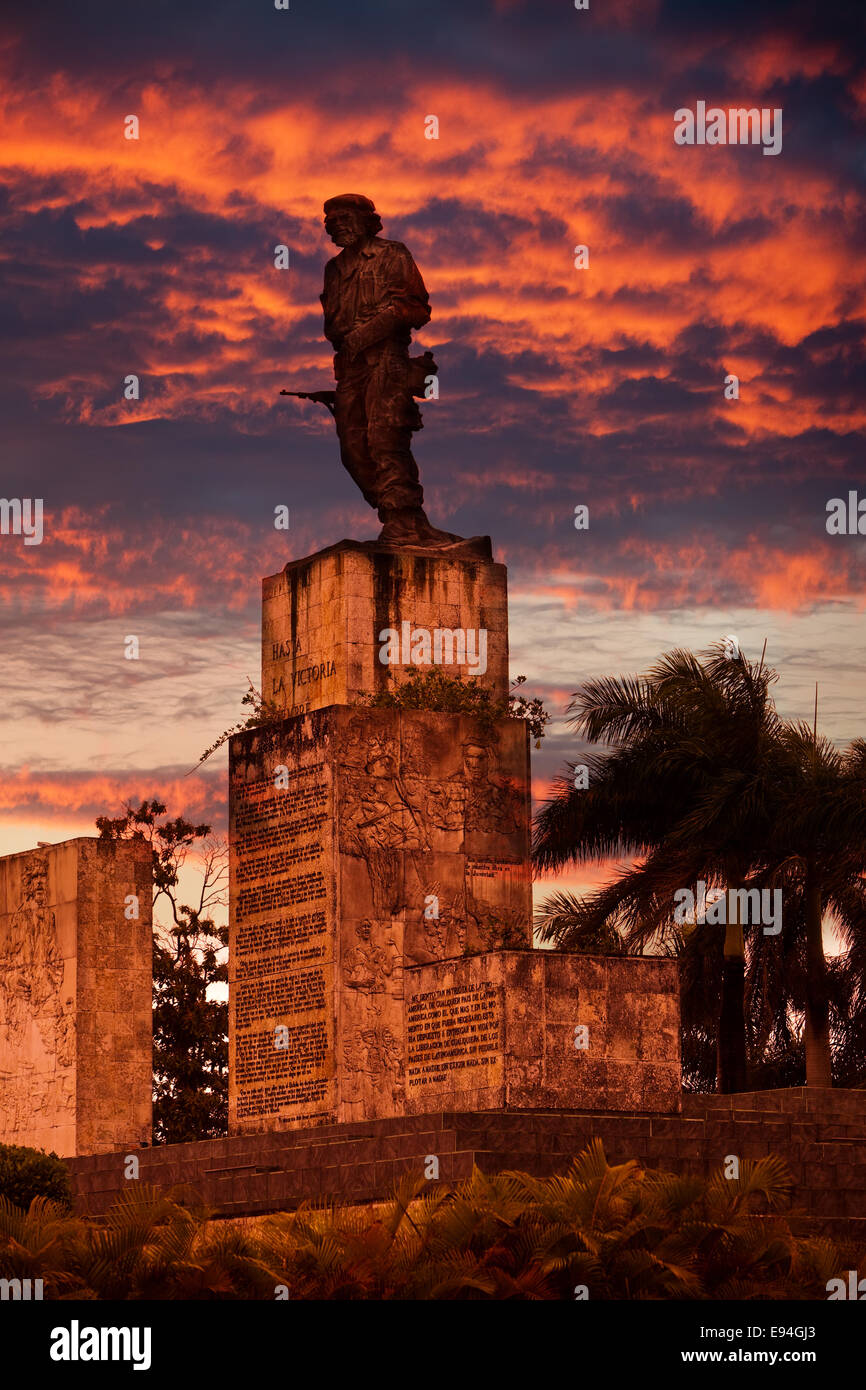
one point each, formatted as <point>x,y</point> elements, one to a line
<point>410,526</point>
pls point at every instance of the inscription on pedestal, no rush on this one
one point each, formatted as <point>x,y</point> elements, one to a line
<point>281,1047</point>
<point>497,1030</point>
<point>451,1030</point>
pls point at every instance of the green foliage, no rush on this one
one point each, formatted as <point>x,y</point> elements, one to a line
<point>190,1031</point>
<point>263,713</point>
<point>28,1173</point>
<point>190,1043</point>
<point>621,1231</point>
<point>433,690</point>
<point>696,777</point>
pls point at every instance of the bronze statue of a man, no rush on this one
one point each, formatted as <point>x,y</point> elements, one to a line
<point>373,297</point>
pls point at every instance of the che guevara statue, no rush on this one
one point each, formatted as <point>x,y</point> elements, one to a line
<point>373,298</point>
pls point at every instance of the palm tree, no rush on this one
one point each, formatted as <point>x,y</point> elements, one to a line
<point>817,850</point>
<point>630,1233</point>
<point>687,783</point>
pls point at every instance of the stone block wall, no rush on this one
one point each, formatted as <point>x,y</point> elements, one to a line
<point>821,1135</point>
<point>541,1029</point>
<point>76,996</point>
<point>322,618</point>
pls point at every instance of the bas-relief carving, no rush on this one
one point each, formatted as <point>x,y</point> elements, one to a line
<point>372,1049</point>
<point>31,963</point>
<point>413,830</point>
<point>381,819</point>
<point>496,927</point>
<point>372,1013</point>
<point>444,925</point>
<point>34,1103</point>
<point>37,1020</point>
<point>368,967</point>
<point>373,1069</point>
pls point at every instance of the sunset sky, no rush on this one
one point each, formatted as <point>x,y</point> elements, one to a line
<point>601,386</point>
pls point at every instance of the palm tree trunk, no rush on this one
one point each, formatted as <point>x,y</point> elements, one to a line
<point>818,1069</point>
<point>731,1056</point>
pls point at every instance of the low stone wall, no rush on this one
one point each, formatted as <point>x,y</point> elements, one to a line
<point>820,1134</point>
<point>528,1030</point>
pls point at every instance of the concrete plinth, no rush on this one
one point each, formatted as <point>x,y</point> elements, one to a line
<point>323,616</point>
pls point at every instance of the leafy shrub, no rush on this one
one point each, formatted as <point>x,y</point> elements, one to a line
<point>621,1231</point>
<point>434,690</point>
<point>27,1173</point>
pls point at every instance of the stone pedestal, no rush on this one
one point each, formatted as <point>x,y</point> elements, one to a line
<point>76,996</point>
<point>363,841</point>
<point>323,620</point>
<point>380,957</point>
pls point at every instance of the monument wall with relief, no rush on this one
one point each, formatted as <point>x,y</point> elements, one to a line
<point>76,996</point>
<point>363,841</point>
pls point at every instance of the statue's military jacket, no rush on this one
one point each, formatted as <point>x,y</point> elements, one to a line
<point>376,292</point>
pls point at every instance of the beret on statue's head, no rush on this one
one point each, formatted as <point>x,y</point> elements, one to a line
<point>358,203</point>
<point>349,200</point>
